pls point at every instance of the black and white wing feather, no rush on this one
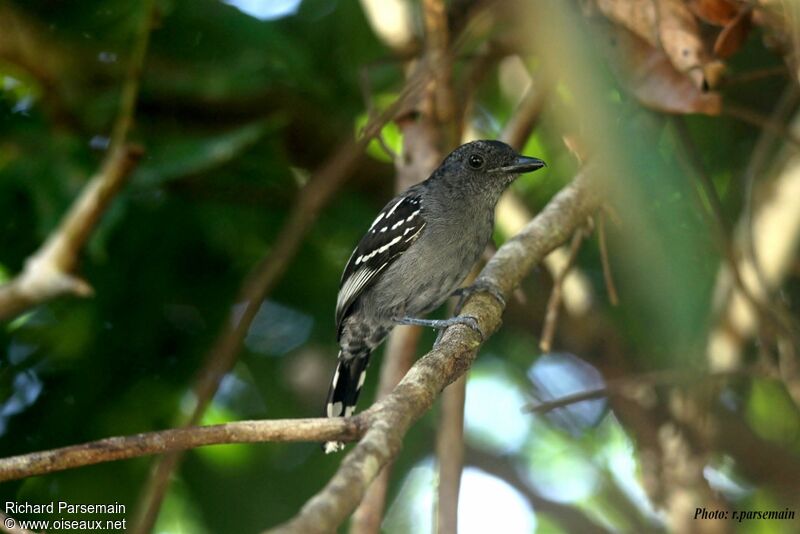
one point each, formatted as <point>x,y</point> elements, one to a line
<point>395,228</point>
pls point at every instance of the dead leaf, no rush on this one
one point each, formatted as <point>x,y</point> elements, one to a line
<point>639,16</point>
<point>670,25</point>
<point>679,35</point>
<point>733,35</point>
<point>716,12</point>
<point>647,73</point>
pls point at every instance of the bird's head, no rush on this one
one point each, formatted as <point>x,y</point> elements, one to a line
<point>487,165</point>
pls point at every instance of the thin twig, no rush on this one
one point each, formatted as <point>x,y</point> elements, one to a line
<point>130,89</point>
<point>756,119</point>
<point>434,14</point>
<point>137,445</point>
<point>755,75</point>
<point>608,276</point>
<point>554,302</point>
<point>759,159</point>
<point>525,117</point>
<point>772,313</point>
<point>446,362</point>
<point>624,385</point>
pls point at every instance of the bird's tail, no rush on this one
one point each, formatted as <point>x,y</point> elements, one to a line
<point>343,394</point>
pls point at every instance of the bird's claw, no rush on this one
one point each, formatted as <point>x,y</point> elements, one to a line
<point>466,320</point>
<point>480,286</point>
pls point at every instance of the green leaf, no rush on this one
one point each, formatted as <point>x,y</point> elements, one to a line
<point>171,159</point>
<point>390,133</point>
<point>771,412</point>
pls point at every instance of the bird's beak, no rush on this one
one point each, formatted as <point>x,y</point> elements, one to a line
<point>521,165</point>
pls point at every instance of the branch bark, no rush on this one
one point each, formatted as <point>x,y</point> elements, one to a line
<point>397,360</point>
<point>179,439</point>
<point>445,363</point>
<point>450,455</point>
<point>48,272</point>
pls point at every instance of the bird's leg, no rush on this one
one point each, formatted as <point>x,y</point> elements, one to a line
<point>480,285</point>
<point>441,324</point>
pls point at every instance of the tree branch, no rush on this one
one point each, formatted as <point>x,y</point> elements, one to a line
<point>397,360</point>
<point>48,273</point>
<point>450,455</point>
<point>179,439</point>
<point>445,363</point>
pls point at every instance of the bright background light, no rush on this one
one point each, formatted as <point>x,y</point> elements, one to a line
<point>266,9</point>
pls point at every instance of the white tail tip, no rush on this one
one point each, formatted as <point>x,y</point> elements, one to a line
<point>333,446</point>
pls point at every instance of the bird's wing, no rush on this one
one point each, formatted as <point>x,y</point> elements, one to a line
<point>395,228</point>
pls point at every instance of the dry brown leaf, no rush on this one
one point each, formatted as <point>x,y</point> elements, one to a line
<point>650,76</point>
<point>679,35</point>
<point>670,25</point>
<point>717,12</point>
<point>733,35</point>
<point>639,16</point>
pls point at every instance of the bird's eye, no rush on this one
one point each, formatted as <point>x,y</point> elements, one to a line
<point>475,161</point>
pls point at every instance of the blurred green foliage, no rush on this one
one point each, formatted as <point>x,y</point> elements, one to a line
<point>235,113</point>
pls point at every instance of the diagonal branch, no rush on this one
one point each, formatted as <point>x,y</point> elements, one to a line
<point>48,273</point>
<point>445,363</point>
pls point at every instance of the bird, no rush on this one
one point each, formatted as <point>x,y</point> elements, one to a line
<point>414,256</point>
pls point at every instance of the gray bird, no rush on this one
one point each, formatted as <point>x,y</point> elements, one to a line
<point>415,254</point>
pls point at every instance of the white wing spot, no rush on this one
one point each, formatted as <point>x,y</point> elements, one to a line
<point>394,207</point>
<point>377,220</point>
<point>361,379</point>
<point>384,228</point>
<point>335,409</point>
<point>335,378</point>
<point>415,234</point>
<point>380,250</point>
<point>349,411</point>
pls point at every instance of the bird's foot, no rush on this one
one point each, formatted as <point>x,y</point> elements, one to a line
<point>441,324</point>
<point>480,286</point>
